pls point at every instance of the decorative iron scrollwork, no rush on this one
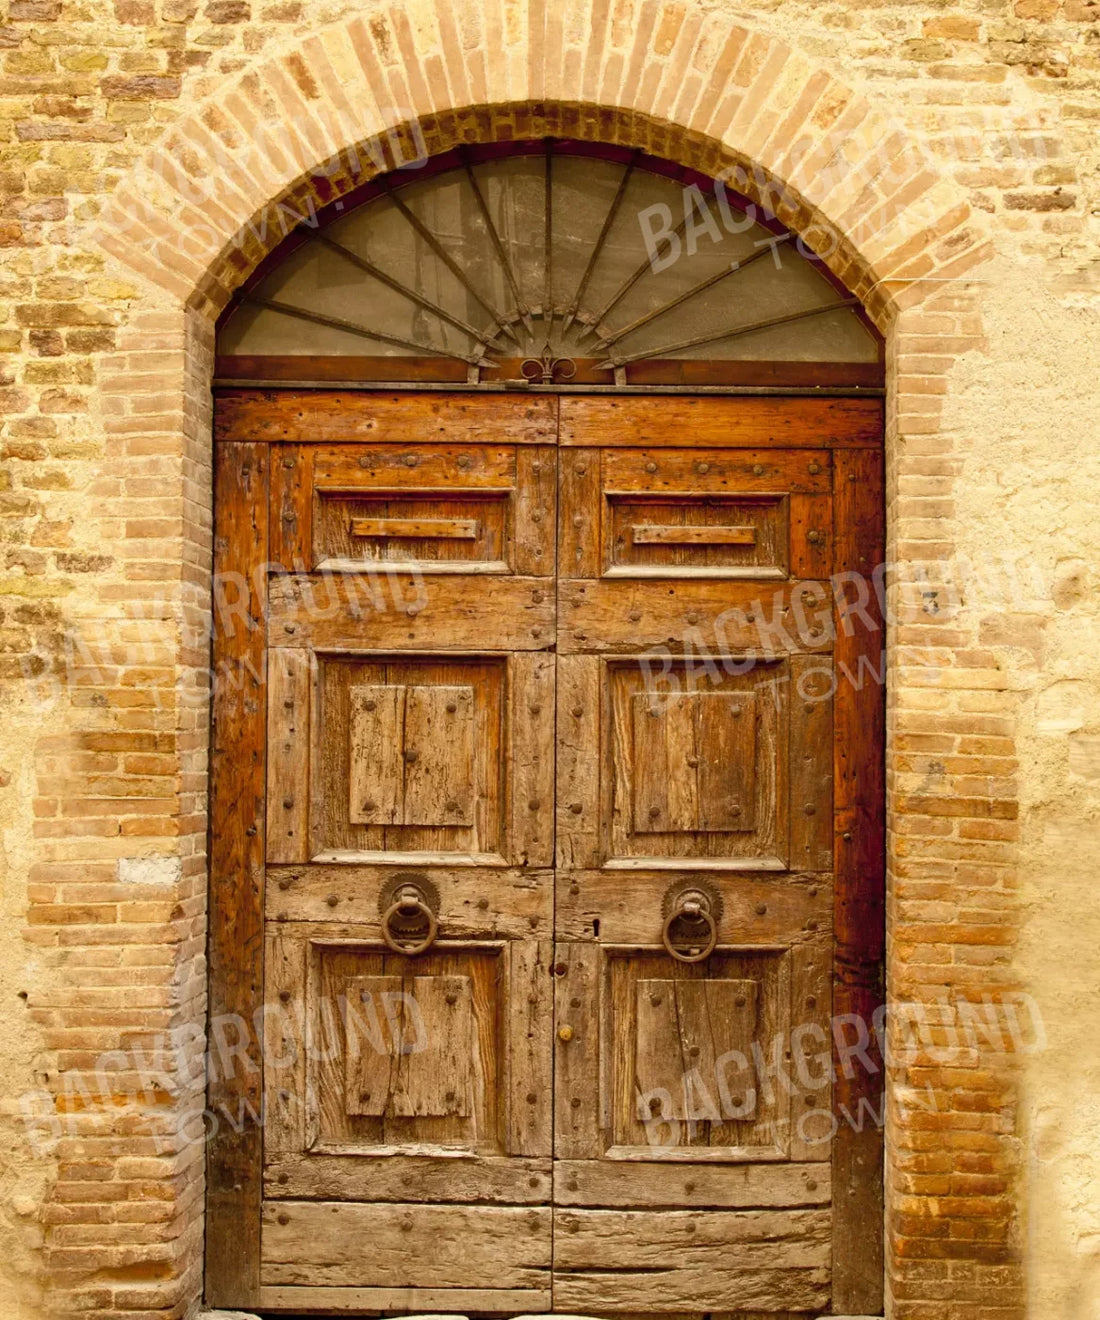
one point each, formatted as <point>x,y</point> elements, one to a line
<point>547,369</point>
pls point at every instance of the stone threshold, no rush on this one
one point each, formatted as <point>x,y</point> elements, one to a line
<point>435,1315</point>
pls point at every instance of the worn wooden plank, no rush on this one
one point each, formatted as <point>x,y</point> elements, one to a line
<point>285,1043</point>
<point>386,609</point>
<point>721,1259</point>
<point>811,762</point>
<point>400,418</point>
<point>579,517</point>
<point>237,822</point>
<point>737,422</point>
<point>627,905</point>
<point>662,797</point>
<point>859,802</point>
<point>463,1177</point>
<point>292,507</point>
<point>376,740</point>
<point>536,509</point>
<point>811,532</point>
<point>577,1051</point>
<point>289,678</point>
<point>675,471</point>
<point>531,765</point>
<point>725,727</point>
<point>730,1186</point>
<point>811,1044</point>
<point>475,902</point>
<point>578,761</point>
<point>421,472</point>
<point>439,755</point>
<point>424,1301</point>
<point>529,1079</point>
<point>359,1244</point>
<point>724,617</point>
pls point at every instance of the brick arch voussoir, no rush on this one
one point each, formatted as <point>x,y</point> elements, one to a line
<point>227,182</point>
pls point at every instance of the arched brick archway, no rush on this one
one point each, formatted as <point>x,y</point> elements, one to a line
<point>312,122</point>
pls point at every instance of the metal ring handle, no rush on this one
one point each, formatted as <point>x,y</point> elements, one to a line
<point>408,904</point>
<point>700,913</point>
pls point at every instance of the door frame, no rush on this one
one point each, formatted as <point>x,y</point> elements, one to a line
<point>237,814</point>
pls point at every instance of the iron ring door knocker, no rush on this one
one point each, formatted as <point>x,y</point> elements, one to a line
<point>691,916</point>
<point>409,907</point>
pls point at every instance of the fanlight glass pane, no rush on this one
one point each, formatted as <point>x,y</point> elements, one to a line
<point>598,260</point>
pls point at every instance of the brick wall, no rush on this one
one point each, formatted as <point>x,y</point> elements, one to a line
<point>951,150</point>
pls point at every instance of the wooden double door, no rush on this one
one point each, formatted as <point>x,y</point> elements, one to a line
<point>546,854</point>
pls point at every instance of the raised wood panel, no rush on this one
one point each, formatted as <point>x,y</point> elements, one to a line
<point>401,418</point>
<point>708,534</point>
<point>392,1075</point>
<point>355,1244</point>
<point>683,1030</point>
<point>694,759</point>
<point>689,536</point>
<point>765,423</point>
<point>681,1076</point>
<point>408,756</point>
<point>632,1260</point>
<point>414,1061</point>
<point>697,777</point>
<point>436,534</point>
<point>411,754</point>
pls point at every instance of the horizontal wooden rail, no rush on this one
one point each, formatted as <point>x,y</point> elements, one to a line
<point>442,529</point>
<point>652,535</point>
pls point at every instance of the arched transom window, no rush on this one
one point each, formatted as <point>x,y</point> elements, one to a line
<point>548,263</point>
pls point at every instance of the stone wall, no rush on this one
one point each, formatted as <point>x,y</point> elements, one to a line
<point>946,156</point>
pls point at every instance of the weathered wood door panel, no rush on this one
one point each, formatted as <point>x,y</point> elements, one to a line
<point>554,689</point>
